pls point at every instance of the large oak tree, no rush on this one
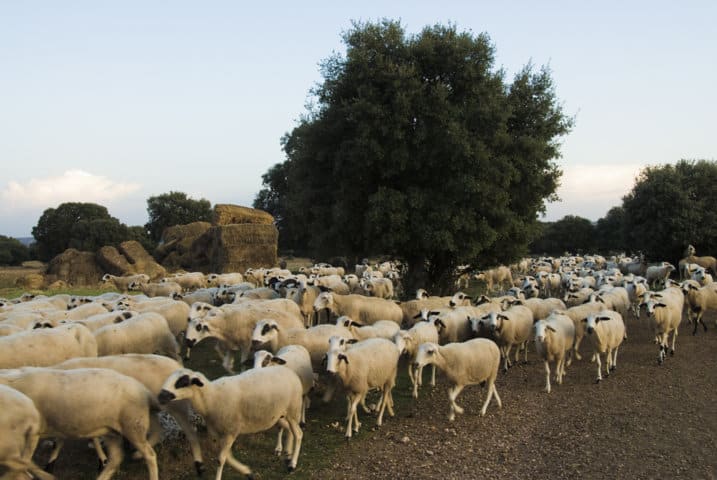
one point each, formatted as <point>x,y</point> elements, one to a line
<point>417,147</point>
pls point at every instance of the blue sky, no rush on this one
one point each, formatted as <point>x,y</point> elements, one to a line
<point>112,102</point>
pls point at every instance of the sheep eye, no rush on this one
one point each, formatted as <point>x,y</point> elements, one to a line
<point>205,328</point>
<point>199,328</point>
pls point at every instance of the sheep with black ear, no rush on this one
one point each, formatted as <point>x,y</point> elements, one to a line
<point>606,331</point>
<point>511,327</point>
<point>151,371</point>
<point>144,333</point>
<point>378,287</point>
<point>163,289</point>
<point>46,346</point>
<point>468,363</point>
<point>460,299</point>
<point>408,342</point>
<point>123,283</point>
<point>273,336</point>
<point>366,310</point>
<point>20,427</point>
<point>664,309</point>
<point>554,339</point>
<point>655,273</point>
<point>251,402</point>
<point>383,328</point>
<point>88,403</point>
<point>366,365</point>
<point>699,300</point>
<point>217,279</point>
<point>304,297</point>
<point>95,322</point>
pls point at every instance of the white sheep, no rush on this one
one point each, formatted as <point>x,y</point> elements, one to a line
<point>366,310</point>
<point>217,279</point>
<point>412,308</point>
<point>144,333</point>
<point>699,300</point>
<point>655,273</point>
<point>578,314</point>
<point>664,309</point>
<point>122,283</point>
<point>700,274</point>
<point>188,281</point>
<point>151,371</point>
<point>511,327</point>
<point>8,329</point>
<point>43,347</point>
<point>577,296</point>
<point>95,322</point>
<point>366,365</point>
<point>251,402</point>
<point>233,325</point>
<point>304,297</point>
<point>206,295</point>
<point>87,403</point>
<point>460,299</point>
<point>296,358</point>
<point>383,328</point>
<point>20,427</point>
<point>468,363</point>
<point>378,287</point>
<point>175,312</point>
<point>495,277</point>
<point>259,293</point>
<point>163,289</point>
<point>554,339</point>
<point>408,341</point>
<point>606,331</point>
<point>271,335</point>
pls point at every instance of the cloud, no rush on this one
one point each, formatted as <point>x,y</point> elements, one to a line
<point>591,190</point>
<point>71,186</point>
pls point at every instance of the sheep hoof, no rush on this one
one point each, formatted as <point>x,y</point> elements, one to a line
<point>302,425</point>
<point>290,469</point>
<point>50,467</point>
<point>101,465</point>
<point>348,438</point>
<point>199,467</point>
<point>613,368</point>
<point>672,352</point>
<point>250,476</point>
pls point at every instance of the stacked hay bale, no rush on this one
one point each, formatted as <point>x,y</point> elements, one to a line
<point>141,261</point>
<point>113,262</point>
<point>74,268</point>
<point>175,251</point>
<point>240,238</point>
<point>31,281</point>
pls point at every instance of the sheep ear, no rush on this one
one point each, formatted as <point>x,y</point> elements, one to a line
<point>433,312</point>
<point>182,382</point>
<point>440,323</point>
<point>503,317</point>
<point>127,315</point>
<point>584,320</point>
<point>275,327</point>
<point>602,319</point>
<point>278,361</point>
<point>417,316</point>
<point>351,341</point>
<point>196,381</point>
<point>661,304</point>
<point>119,319</point>
<point>344,358</point>
<point>548,327</point>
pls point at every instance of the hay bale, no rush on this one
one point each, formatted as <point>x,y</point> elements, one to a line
<point>113,262</point>
<point>142,261</point>
<point>75,268</point>
<point>58,285</point>
<point>234,248</point>
<point>31,281</point>
<point>175,249</point>
<point>226,214</point>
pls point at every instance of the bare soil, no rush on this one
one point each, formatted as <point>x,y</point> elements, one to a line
<point>644,421</point>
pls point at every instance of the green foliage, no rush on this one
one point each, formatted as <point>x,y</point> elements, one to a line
<point>570,234</point>
<point>12,251</point>
<point>672,206</point>
<point>418,148</point>
<point>75,224</point>
<point>611,232</point>
<point>174,208</point>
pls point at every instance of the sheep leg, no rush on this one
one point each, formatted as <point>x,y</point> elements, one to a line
<point>384,402</point>
<point>59,442</point>
<point>599,367</point>
<point>279,443</point>
<point>452,395</point>
<point>414,380</point>
<point>352,403</point>
<point>114,449</point>
<point>23,465</point>
<point>506,358</point>
<point>100,452</point>
<point>576,347</point>
<point>180,413</point>
<point>491,391</point>
<point>614,359</point>
<point>225,455</point>
<point>144,447</point>
<point>674,339</point>
<point>297,435</point>
<point>547,376</point>
<point>284,427</point>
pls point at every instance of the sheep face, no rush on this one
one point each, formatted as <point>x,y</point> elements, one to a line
<point>197,330</point>
<point>264,332</point>
<point>324,301</point>
<point>180,385</point>
<point>459,298</point>
<point>426,355</point>
<point>592,322</point>
<point>199,310</point>
<point>541,330</point>
<point>401,339</point>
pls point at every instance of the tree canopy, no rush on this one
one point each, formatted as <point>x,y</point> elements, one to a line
<point>174,208</point>
<point>672,206</point>
<point>417,147</point>
<point>12,251</point>
<point>569,234</point>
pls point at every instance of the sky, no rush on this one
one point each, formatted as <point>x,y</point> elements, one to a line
<point>113,102</point>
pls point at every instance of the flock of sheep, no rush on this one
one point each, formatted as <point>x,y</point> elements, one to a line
<point>102,367</point>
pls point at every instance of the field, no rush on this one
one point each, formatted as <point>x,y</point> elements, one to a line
<point>644,421</point>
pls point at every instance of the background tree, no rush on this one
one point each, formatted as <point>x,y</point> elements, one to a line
<point>12,251</point>
<point>611,232</point>
<point>418,148</point>
<point>569,234</point>
<point>55,229</point>
<point>174,208</point>
<point>672,206</point>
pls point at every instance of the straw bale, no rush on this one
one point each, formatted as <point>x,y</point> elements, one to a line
<point>113,262</point>
<point>176,246</point>
<point>75,268</point>
<point>31,281</point>
<point>58,285</point>
<point>142,261</point>
<point>234,248</point>
<point>227,214</point>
